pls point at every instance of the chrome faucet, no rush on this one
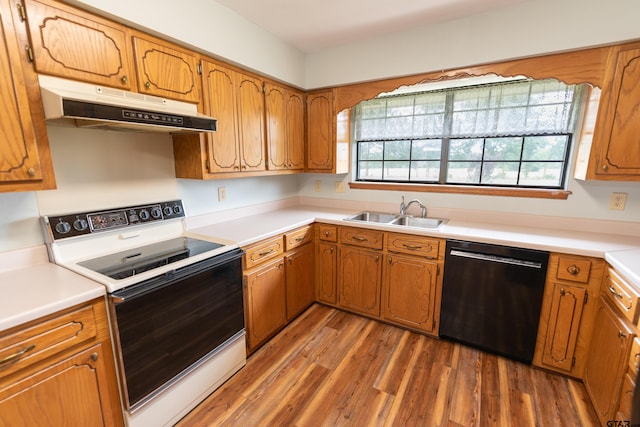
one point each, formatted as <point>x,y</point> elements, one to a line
<point>403,207</point>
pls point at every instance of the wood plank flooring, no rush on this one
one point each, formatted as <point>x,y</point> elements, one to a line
<point>331,368</point>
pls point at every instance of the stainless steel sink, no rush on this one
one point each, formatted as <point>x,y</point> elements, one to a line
<point>379,217</point>
<point>398,220</point>
<point>411,221</point>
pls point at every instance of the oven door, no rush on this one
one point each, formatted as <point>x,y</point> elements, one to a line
<point>168,325</point>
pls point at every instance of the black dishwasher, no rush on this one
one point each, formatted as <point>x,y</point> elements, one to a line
<point>491,297</point>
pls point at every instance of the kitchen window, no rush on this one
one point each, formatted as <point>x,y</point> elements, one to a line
<point>514,134</point>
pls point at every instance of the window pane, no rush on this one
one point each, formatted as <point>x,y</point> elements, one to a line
<point>372,129</point>
<point>552,147</point>
<point>503,148</point>
<point>465,149</point>
<point>463,172</point>
<point>541,174</point>
<point>370,150</point>
<point>425,171</point>
<point>429,149</point>
<point>500,173</point>
<point>397,150</point>
<point>399,127</point>
<point>396,171</point>
<point>369,170</point>
<point>428,126</point>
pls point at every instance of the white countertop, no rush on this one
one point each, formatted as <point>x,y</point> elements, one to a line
<point>621,251</point>
<point>32,287</point>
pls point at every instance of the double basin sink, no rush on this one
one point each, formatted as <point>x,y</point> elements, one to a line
<point>394,219</point>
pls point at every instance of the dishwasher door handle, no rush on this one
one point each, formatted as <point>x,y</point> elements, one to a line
<point>495,258</point>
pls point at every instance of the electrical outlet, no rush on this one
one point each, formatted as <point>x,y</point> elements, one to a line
<point>341,187</point>
<point>222,194</point>
<point>618,201</point>
<point>318,186</point>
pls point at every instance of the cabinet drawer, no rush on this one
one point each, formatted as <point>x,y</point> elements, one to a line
<point>414,245</point>
<point>263,251</point>
<point>573,269</point>
<point>622,294</point>
<point>327,233</point>
<point>361,237</point>
<point>298,237</point>
<point>28,346</point>
<point>634,357</point>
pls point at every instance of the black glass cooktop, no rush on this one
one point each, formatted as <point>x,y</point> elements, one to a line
<point>138,260</point>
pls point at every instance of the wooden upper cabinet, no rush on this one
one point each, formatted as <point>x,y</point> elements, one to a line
<point>70,43</point>
<point>25,162</point>
<point>285,128</point>
<point>236,101</point>
<point>166,70</point>
<point>617,133</point>
<point>328,134</point>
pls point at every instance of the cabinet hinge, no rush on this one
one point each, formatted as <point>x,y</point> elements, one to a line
<point>586,297</point>
<point>21,12</point>
<point>29,52</point>
<point>573,362</point>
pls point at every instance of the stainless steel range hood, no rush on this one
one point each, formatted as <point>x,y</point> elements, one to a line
<point>86,105</point>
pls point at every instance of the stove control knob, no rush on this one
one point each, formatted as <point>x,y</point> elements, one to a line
<point>63,227</point>
<point>168,210</point>
<point>80,224</point>
<point>177,209</point>
<point>144,214</point>
<point>156,212</point>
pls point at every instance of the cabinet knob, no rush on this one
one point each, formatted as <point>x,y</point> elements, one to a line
<point>94,356</point>
<point>621,334</point>
<point>124,80</point>
<point>147,84</point>
<point>331,249</point>
<point>326,234</point>
<point>562,292</point>
<point>573,269</point>
<point>605,168</point>
<point>31,172</point>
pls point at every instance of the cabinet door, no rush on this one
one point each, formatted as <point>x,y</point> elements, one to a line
<point>619,127</point>
<point>300,272</point>
<point>276,111</point>
<point>73,44</point>
<point>408,292</point>
<point>220,102</point>
<point>72,391</point>
<point>295,130</point>
<point>165,71</point>
<point>359,280</point>
<point>608,354</point>
<point>251,129</point>
<point>563,325</point>
<point>326,265</point>
<point>20,165</point>
<point>265,302</point>
<point>320,132</point>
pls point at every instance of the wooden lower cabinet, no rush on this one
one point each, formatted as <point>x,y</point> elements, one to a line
<point>265,302</point>
<point>359,280</point>
<point>299,278</point>
<point>567,314</point>
<point>607,362</point>
<point>409,292</point>
<point>62,371</point>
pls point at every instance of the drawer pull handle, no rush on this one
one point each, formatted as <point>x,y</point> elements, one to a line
<point>615,294</point>
<point>266,252</point>
<point>359,239</point>
<point>573,269</point>
<point>412,247</point>
<point>16,355</point>
<point>326,234</point>
<point>299,239</point>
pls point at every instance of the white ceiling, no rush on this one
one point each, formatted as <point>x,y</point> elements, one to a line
<point>312,25</point>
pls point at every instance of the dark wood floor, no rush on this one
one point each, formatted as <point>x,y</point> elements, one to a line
<point>331,368</point>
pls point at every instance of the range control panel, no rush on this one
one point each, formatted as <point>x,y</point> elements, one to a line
<point>83,223</point>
